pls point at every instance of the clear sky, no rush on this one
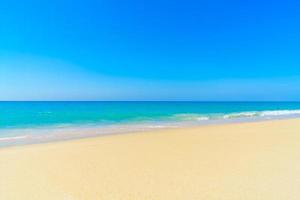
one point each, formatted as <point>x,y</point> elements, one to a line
<point>150,50</point>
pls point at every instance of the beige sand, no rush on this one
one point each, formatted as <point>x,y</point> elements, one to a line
<point>239,161</point>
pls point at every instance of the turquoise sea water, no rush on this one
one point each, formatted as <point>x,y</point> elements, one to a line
<point>30,116</point>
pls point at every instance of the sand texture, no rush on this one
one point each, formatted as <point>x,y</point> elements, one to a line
<point>243,161</point>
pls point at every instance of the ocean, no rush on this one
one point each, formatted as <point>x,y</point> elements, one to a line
<point>30,122</point>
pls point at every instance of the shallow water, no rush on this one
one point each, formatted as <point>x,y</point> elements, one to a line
<point>31,122</point>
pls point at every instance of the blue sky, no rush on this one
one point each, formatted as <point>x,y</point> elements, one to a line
<point>150,50</point>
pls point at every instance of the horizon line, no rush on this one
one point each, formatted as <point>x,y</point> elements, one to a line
<point>195,101</point>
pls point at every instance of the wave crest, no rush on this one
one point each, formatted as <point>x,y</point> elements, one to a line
<point>191,116</point>
<point>249,114</point>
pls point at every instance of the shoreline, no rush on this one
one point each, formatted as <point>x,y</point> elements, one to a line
<point>258,160</point>
<point>32,136</point>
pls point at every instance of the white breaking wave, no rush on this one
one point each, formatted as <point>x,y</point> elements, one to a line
<point>13,138</point>
<point>267,113</point>
<point>280,112</point>
<point>197,117</point>
<point>250,114</point>
<point>241,114</point>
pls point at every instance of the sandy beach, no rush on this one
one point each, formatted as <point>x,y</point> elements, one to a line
<point>259,160</point>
